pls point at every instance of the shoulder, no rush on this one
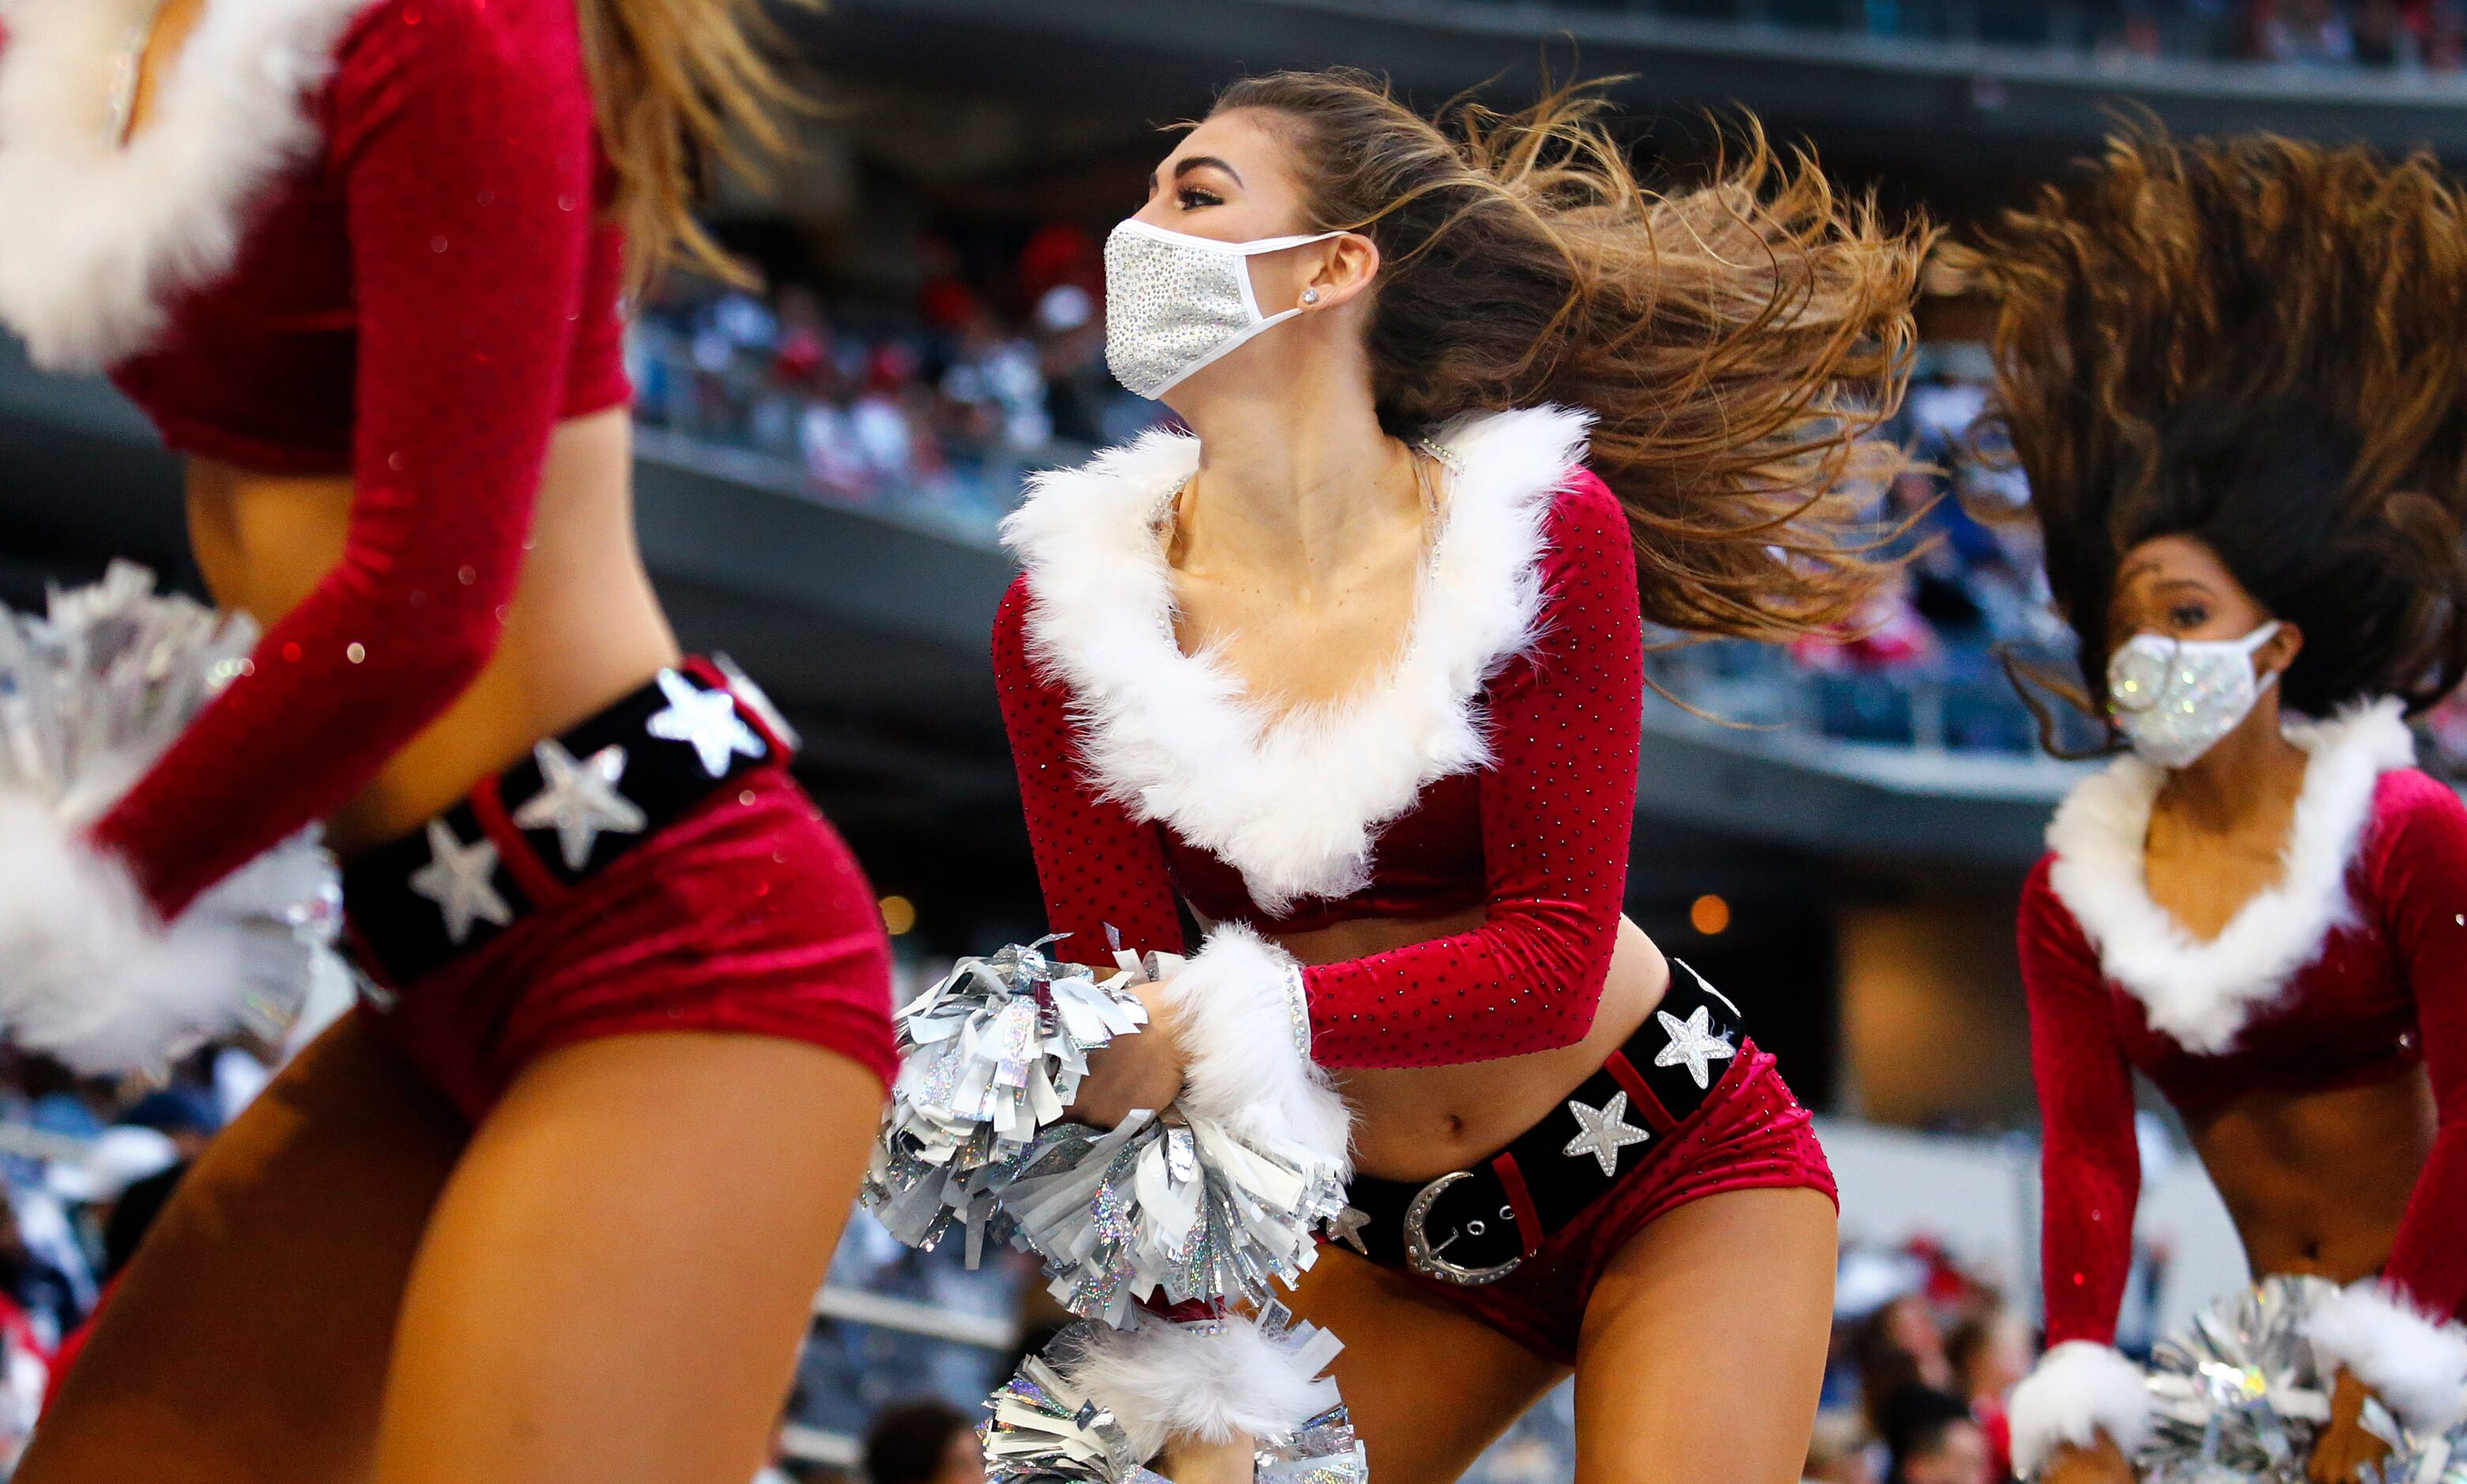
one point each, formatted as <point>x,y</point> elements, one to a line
<point>2415,816</point>
<point>1096,516</point>
<point>2047,927</point>
<point>1586,524</point>
<point>522,51</point>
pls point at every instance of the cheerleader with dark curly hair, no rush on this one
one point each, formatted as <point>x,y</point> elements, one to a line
<point>2234,376</point>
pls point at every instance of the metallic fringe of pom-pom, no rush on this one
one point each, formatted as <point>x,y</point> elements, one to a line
<point>1043,1431</point>
<point>2239,1397</point>
<point>1169,1204</point>
<point>96,689</point>
<point>988,1056</point>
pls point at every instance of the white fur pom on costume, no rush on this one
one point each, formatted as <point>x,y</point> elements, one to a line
<point>2416,1364</point>
<point>2080,1390</point>
<point>1239,1009</point>
<point>98,686</point>
<point>1208,1381</point>
<point>87,973</point>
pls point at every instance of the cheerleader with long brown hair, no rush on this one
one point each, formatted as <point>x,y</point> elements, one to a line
<point>1353,672</point>
<point>552,1204</point>
<point>2234,376</point>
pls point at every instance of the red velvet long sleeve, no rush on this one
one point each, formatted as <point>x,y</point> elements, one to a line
<point>2090,1164</point>
<point>1101,869</point>
<point>460,135</point>
<point>1557,805</point>
<point>2420,880</point>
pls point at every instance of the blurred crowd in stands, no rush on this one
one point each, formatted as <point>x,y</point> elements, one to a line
<point>86,1166</point>
<point>932,408</point>
<point>2384,34</point>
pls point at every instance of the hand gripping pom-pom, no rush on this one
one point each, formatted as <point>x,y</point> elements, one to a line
<point>1049,1426</point>
<point>1174,1205</point>
<point>91,693</point>
<point>2242,1394</point>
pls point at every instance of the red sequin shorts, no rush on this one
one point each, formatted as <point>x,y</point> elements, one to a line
<point>744,915</point>
<point>1750,1133</point>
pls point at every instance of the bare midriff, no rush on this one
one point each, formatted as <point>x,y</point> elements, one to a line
<point>1417,1122</point>
<point>2317,1182</point>
<point>583,628</point>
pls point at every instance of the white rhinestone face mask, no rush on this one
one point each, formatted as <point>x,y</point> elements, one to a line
<point>1175,302</point>
<point>2175,698</point>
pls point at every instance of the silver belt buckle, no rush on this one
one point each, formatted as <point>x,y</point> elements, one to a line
<point>1430,1261</point>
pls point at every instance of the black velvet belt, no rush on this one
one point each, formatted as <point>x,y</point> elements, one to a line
<point>1478,1226</point>
<point>580,801</point>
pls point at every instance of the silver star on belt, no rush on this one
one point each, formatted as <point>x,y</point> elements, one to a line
<point>456,879</point>
<point>1606,1132</point>
<point>704,720</point>
<point>1692,1042</point>
<point>580,799</point>
<point>1349,1225</point>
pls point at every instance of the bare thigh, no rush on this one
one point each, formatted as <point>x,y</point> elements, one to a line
<point>618,1277</point>
<point>1429,1386</point>
<point>248,1339</point>
<point>1703,1349</point>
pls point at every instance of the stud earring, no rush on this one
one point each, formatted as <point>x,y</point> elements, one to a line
<point>1310,296</point>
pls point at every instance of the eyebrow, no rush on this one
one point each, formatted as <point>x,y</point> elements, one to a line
<point>1189,163</point>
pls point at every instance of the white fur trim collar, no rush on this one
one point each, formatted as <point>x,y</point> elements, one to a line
<point>102,237</point>
<point>2201,993</point>
<point>1292,801</point>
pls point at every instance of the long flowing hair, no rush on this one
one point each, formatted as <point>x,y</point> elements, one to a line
<point>681,88</point>
<point>1738,340</point>
<point>2257,343</point>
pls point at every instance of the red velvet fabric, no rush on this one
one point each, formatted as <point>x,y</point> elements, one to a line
<point>747,916</point>
<point>1751,1134</point>
<point>416,306</point>
<point>1538,838</point>
<point>2387,990</point>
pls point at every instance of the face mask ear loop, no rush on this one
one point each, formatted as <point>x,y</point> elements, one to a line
<point>1244,251</point>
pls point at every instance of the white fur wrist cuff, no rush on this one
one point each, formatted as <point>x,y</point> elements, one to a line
<point>1234,1004</point>
<point>2416,1364</point>
<point>2080,1390</point>
<point>1165,1380</point>
<point>88,971</point>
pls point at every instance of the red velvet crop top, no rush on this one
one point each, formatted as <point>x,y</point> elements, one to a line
<point>2351,971</point>
<point>355,236</point>
<point>1496,770</point>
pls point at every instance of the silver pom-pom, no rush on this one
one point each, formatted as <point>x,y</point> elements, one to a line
<point>1045,1431</point>
<point>1167,1205</point>
<point>1172,1204</point>
<point>92,692</point>
<point>988,1056</point>
<point>2239,1396</point>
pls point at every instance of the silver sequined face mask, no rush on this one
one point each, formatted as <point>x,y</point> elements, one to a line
<point>2175,698</point>
<point>1175,302</point>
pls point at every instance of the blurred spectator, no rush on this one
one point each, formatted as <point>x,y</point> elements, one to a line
<point>1991,1351</point>
<point>184,1114</point>
<point>1896,1349</point>
<point>1841,1451</point>
<point>1933,1439</point>
<point>928,1442</point>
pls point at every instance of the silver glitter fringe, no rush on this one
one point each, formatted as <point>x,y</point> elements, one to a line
<point>2239,1397</point>
<point>988,1057</point>
<point>1169,1204</point>
<point>1042,1431</point>
<point>95,689</point>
